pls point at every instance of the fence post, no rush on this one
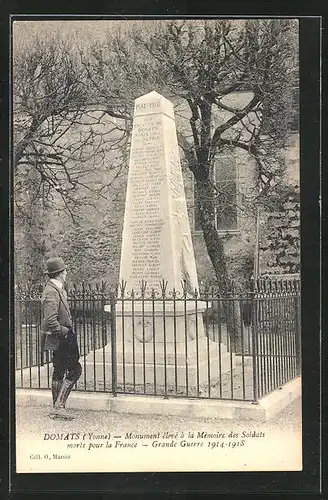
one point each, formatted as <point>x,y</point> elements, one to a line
<point>113,341</point>
<point>103,302</point>
<point>254,302</point>
<point>298,335</point>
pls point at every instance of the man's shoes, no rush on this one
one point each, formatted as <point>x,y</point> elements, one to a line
<point>59,410</point>
<point>61,413</point>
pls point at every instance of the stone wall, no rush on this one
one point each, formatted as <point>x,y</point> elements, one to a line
<point>279,231</point>
<point>280,237</point>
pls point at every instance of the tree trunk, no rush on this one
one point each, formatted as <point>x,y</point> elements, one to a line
<point>20,147</point>
<point>215,249</point>
<point>214,244</point>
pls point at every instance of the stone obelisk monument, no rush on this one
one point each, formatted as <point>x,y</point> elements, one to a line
<point>161,338</point>
<point>156,242</point>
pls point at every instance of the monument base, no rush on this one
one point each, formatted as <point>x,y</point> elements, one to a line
<point>168,322</point>
<point>180,365</point>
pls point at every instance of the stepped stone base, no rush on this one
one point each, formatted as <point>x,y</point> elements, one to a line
<point>178,364</point>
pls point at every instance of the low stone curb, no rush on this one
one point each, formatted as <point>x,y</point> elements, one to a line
<point>262,411</point>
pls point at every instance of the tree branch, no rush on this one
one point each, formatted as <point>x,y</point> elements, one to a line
<point>234,119</point>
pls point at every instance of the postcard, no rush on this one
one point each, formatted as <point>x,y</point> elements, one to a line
<point>156,192</point>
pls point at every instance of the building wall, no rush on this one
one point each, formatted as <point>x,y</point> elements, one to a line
<point>238,243</point>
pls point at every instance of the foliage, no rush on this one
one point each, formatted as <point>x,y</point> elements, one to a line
<point>240,259</point>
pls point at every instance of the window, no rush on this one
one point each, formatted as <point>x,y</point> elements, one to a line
<point>225,181</point>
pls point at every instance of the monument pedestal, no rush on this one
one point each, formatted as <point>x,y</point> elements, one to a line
<point>137,366</point>
<point>163,348</point>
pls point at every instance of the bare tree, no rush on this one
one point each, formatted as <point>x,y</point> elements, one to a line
<point>60,136</point>
<point>67,152</point>
<point>202,63</point>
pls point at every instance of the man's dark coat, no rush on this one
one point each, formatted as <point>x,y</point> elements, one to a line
<point>56,316</point>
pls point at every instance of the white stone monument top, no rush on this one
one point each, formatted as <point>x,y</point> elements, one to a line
<point>156,242</point>
<point>153,103</point>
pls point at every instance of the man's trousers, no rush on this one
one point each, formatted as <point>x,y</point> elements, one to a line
<point>66,365</point>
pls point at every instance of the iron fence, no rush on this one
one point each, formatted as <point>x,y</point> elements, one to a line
<point>90,323</point>
<point>236,345</point>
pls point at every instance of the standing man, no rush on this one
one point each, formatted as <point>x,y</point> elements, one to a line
<point>59,337</point>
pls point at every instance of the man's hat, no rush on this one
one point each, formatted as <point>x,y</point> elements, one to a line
<point>55,265</point>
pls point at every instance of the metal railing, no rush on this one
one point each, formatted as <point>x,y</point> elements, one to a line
<point>236,345</point>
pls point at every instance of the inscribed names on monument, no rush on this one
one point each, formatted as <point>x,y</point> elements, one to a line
<point>156,242</point>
